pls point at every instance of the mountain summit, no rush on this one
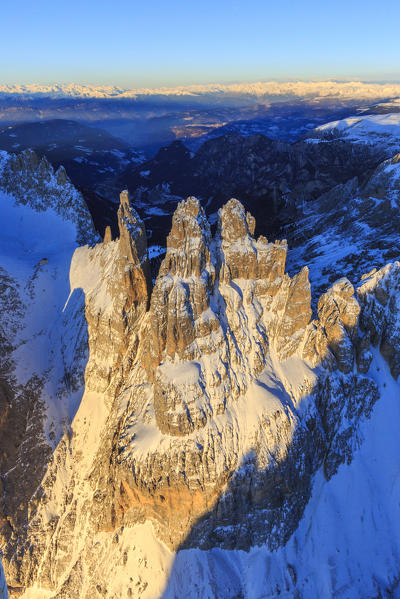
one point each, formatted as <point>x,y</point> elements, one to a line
<point>172,437</point>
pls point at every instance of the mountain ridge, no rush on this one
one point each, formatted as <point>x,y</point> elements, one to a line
<point>318,89</point>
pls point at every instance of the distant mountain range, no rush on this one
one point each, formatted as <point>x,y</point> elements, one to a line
<point>347,90</point>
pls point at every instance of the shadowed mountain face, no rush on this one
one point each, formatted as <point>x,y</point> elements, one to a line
<point>273,178</point>
<point>89,155</point>
<point>349,228</point>
<point>92,159</point>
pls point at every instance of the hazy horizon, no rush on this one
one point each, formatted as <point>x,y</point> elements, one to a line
<point>194,83</point>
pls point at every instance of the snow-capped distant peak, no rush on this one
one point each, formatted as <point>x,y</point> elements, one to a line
<point>309,89</point>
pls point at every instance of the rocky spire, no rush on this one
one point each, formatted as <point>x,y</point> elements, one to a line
<point>338,312</point>
<point>182,289</point>
<point>107,234</point>
<point>188,244</point>
<point>134,261</point>
<point>242,256</point>
<point>133,243</point>
<point>116,293</point>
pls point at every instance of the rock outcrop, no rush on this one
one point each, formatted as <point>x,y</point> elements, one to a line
<point>210,401</point>
<point>338,312</point>
<point>115,277</point>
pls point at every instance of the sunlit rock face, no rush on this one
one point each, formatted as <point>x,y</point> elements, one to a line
<point>181,293</point>
<point>209,404</point>
<point>338,312</point>
<point>210,401</point>
<point>115,277</point>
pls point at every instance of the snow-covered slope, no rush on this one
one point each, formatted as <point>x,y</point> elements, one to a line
<point>43,349</point>
<point>347,545</point>
<point>45,220</point>
<point>381,130</point>
<point>350,229</point>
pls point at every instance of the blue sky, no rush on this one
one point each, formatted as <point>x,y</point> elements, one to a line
<point>169,42</point>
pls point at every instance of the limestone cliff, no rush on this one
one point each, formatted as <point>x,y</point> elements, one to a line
<point>210,402</point>
<point>208,411</point>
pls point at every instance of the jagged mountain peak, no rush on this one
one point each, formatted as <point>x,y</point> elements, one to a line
<point>189,221</point>
<point>210,407</point>
<point>233,221</point>
<point>132,231</point>
<point>188,242</point>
